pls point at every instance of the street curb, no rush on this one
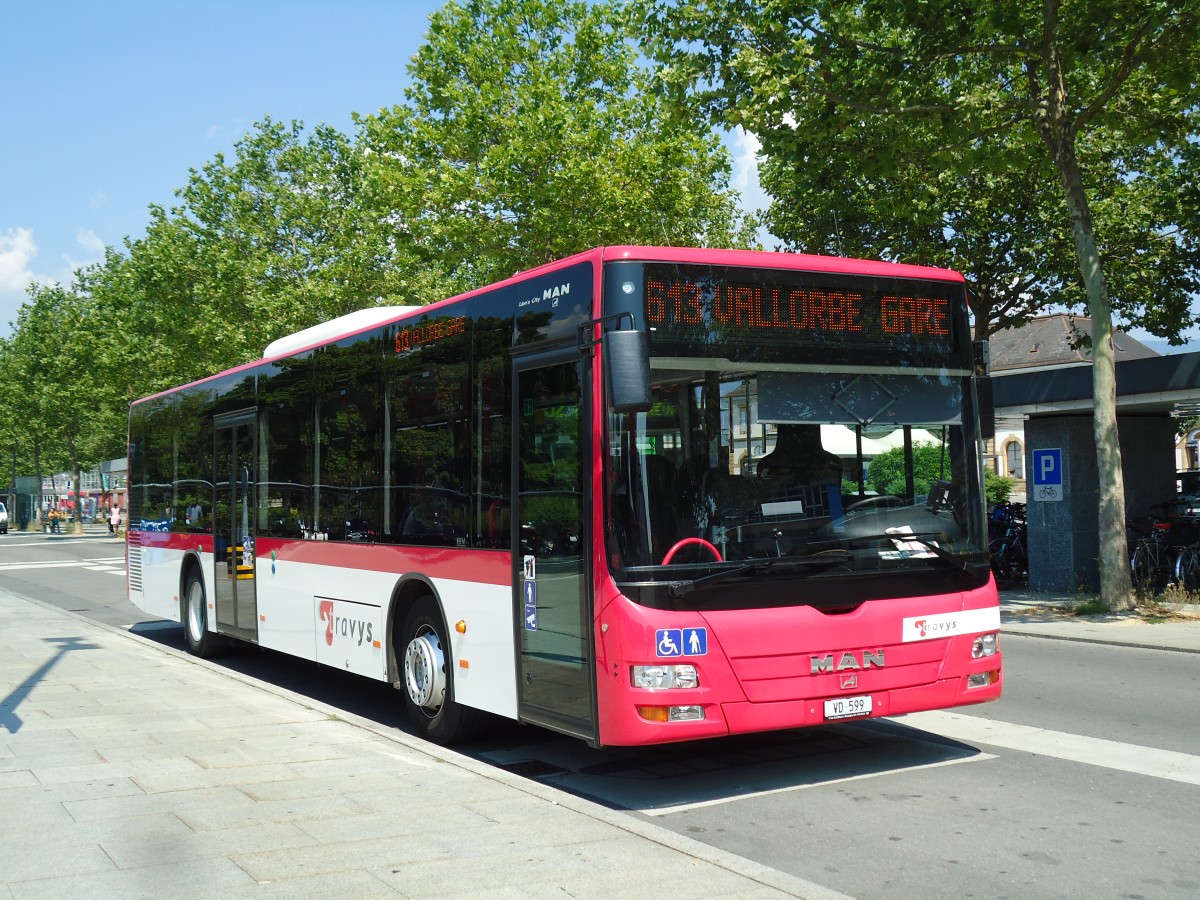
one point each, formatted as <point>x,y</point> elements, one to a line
<point>1077,639</point>
<point>738,865</point>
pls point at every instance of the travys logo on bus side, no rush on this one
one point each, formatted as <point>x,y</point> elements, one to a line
<point>357,630</point>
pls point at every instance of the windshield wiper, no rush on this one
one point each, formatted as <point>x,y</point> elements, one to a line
<point>921,538</point>
<point>823,560</point>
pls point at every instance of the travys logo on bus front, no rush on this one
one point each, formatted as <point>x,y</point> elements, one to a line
<point>941,625</point>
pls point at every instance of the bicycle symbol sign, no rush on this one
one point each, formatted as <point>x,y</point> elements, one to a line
<point>1047,475</point>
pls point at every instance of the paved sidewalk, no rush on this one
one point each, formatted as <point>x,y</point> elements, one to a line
<point>1048,616</point>
<point>128,769</point>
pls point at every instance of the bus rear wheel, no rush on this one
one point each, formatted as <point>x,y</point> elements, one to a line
<point>428,679</point>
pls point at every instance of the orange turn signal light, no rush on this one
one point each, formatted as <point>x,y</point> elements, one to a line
<point>653,713</point>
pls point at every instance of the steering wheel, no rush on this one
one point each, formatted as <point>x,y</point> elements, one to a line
<point>687,541</point>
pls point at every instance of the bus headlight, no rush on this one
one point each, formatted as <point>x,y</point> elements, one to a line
<point>658,678</point>
<point>985,645</point>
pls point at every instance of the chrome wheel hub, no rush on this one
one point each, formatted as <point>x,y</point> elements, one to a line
<point>195,611</point>
<point>425,671</point>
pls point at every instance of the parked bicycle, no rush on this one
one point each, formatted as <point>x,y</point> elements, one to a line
<point>1187,568</point>
<point>1007,547</point>
<point>1165,551</point>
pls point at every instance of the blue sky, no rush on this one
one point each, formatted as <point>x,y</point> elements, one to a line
<point>106,106</point>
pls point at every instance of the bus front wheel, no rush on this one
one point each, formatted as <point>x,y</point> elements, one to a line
<point>200,641</point>
<point>428,680</point>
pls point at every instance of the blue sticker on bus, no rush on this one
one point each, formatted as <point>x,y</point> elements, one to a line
<point>531,606</point>
<point>681,641</point>
<point>695,641</point>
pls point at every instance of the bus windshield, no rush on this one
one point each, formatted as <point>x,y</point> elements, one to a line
<point>775,478</point>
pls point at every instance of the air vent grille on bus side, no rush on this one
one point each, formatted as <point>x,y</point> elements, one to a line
<point>135,562</point>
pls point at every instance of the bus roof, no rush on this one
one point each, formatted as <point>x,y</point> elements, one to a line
<point>363,320</point>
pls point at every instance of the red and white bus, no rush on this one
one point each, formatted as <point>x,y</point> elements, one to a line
<point>619,496</point>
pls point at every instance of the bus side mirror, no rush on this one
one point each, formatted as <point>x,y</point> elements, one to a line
<point>987,407</point>
<point>627,370</point>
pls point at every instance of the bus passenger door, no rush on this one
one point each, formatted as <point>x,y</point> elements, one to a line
<point>555,664</point>
<point>233,515</point>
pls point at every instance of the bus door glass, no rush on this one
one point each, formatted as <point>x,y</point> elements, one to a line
<point>553,611</point>
<point>233,537</point>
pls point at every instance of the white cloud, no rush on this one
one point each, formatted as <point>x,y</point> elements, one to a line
<point>744,148</point>
<point>93,247</point>
<point>17,250</point>
<point>745,152</point>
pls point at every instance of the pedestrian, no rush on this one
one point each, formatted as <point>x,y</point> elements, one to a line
<point>54,521</point>
<point>114,520</point>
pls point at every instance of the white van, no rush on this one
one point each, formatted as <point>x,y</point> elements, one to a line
<point>3,519</point>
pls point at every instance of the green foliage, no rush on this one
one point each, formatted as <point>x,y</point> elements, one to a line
<point>997,488</point>
<point>258,247</point>
<point>951,135</point>
<point>1092,606</point>
<point>885,473</point>
<point>530,133</point>
<point>849,488</point>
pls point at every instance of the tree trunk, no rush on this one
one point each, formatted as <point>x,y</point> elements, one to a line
<point>1116,588</point>
<point>35,521</point>
<point>78,529</point>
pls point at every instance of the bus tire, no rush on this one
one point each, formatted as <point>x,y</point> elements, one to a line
<point>428,680</point>
<point>200,641</point>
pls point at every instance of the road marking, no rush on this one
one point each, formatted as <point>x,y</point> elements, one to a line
<point>110,569</point>
<point>12,567</point>
<point>63,564</point>
<point>1132,758</point>
<point>824,782</point>
<point>1138,760</point>
<point>60,539</point>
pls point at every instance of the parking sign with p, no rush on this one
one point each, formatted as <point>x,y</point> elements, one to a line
<point>1047,475</point>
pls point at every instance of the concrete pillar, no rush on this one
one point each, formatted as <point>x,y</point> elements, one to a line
<point>1064,540</point>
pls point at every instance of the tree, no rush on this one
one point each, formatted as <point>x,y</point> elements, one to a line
<point>14,443</point>
<point>260,245</point>
<point>871,194</point>
<point>1107,91</point>
<point>529,133</point>
<point>78,418</point>
<point>886,472</point>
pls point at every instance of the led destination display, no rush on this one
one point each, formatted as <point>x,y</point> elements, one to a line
<point>714,308</point>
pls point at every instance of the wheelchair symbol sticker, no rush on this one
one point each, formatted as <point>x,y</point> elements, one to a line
<point>681,642</point>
